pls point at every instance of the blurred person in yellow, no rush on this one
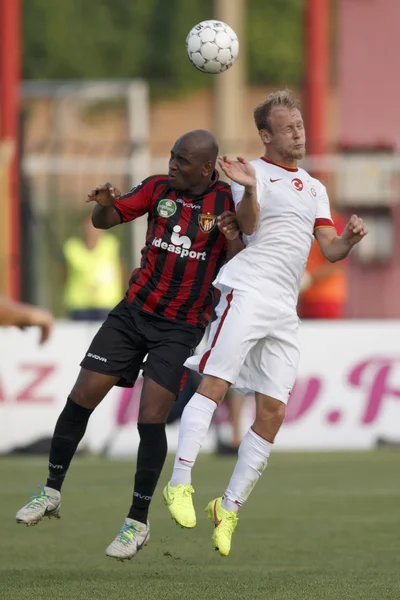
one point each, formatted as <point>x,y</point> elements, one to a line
<point>324,290</point>
<point>93,274</point>
<point>26,315</point>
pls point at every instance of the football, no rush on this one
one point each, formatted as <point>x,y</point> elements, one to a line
<point>212,46</point>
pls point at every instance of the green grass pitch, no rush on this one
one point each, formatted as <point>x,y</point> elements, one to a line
<point>317,527</point>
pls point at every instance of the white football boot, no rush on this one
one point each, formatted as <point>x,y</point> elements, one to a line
<point>45,504</point>
<point>132,537</point>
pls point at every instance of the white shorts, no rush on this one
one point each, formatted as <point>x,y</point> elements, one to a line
<point>251,344</point>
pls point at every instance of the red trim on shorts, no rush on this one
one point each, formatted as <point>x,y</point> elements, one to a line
<point>206,356</point>
<point>183,380</point>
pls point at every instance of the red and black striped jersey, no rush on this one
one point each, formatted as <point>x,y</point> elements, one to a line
<point>184,248</point>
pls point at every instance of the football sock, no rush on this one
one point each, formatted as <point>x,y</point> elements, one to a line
<point>195,423</point>
<point>70,429</point>
<point>150,461</point>
<point>252,460</point>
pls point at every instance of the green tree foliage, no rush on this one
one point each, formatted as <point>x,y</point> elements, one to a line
<point>146,38</point>
<point>275,47</point>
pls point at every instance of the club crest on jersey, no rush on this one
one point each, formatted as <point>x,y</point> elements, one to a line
<point>166,208</point>
<point>297,184</point>
<point>207,222</point>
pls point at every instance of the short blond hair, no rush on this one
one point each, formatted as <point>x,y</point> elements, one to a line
<point>284,98</point>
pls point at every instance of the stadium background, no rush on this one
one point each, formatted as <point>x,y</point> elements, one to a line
<point>94,91</point>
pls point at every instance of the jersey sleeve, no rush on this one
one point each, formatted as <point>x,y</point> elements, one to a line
<point>323,217</point>
<point>136,202</point>
<point>237,192</point>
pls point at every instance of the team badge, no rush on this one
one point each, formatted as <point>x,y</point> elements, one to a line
<point>297,184</point>
<point>166,208</point>
<point>207,222</point>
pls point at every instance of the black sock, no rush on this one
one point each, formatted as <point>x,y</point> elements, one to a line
<point>70,429</point>
<point>150,461</point>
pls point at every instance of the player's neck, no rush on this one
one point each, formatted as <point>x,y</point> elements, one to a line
<point>286,163</point>
<point>201,188</point>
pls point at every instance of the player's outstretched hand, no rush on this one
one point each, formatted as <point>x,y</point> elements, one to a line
<point>228,225</point>
<point>40,318</point>
<point>239,170</point>
<point>105,195</point>
<point>354,231</point>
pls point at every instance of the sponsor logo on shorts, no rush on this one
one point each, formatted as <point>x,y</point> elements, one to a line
<point>96,357</point>
<point>180,244</point>
<point>207,222</point>
<point>166,208</point>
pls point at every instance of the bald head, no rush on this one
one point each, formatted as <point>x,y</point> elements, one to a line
<point>192,162</point>
<point>202,143</point>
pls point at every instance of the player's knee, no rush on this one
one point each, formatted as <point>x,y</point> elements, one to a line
<point>271,412</point>
<point>213,388</point>
<point>82,396</point>
<point>155,402</point>
<point>156,413</point>
<point>90,388</point>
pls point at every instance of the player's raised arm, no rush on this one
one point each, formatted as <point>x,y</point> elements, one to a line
<point>243,173</point>
<point>104,214</point>
<point>112,208</point>
<point>335,247</point>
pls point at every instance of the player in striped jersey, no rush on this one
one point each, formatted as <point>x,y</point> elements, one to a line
<point>163,315</point>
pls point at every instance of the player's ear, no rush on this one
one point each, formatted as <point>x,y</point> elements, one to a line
<point>265,136</point>
<point>208,168</point>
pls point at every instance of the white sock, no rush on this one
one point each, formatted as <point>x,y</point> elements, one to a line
<point>195,423</point>
<point>253,457</point>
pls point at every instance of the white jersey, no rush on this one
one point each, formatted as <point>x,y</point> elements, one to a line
<point>292,206</point>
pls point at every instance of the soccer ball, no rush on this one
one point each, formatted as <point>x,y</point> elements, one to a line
<point>212,46</point>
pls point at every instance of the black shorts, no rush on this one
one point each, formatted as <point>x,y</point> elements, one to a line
<point>128,336</point>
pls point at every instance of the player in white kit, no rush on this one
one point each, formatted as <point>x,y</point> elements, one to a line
<point>253,343</point>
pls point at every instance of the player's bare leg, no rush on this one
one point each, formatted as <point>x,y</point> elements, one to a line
<point>195,423</point>
<point>89,390</point>
<point>253,455</point>
<point>155,405</point>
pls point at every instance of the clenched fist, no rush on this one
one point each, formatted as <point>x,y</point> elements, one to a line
<point>354,231</point>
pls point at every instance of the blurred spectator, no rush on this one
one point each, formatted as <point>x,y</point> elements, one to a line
<point>93,274</point>
<point>234,405</point>
<point>26,315</point>
<point>323,291</point>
